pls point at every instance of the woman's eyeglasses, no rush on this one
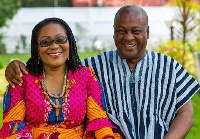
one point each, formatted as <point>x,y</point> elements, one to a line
<point>48,42</point>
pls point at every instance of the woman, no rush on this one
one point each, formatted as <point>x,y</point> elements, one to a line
<point>59,98</point>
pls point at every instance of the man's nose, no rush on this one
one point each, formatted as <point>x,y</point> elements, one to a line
<point>129,36</point>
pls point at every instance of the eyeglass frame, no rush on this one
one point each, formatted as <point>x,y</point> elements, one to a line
<point>52,41</point>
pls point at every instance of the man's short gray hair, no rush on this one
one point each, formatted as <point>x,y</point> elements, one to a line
<point>136,8</point>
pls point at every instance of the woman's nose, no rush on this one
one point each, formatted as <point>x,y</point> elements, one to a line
<point>54,45</point>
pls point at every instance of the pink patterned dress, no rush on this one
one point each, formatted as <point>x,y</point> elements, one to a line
<point>27,114</point>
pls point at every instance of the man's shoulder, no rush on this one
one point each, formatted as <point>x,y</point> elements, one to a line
<point>163,59</point>
<point>149,52</point>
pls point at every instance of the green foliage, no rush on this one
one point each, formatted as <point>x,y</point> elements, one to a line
<point>174,49</point>
<point>2,45</point>
<point>187,23</point>
<point>8,8</point>
<point>23,41</point>
<point>46,3</point>
<point>17,47</point>
<point>196,46</point>
<point>1,64</point>
<point>1,114</point>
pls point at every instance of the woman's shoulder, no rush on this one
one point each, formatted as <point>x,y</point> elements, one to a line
<point>87,70</point>
<point>83,71</point>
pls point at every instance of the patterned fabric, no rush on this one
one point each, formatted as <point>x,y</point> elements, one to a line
<point>27,114</point>
<point>144,103</point>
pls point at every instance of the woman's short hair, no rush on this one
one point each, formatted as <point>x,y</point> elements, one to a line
<point>34,64</point>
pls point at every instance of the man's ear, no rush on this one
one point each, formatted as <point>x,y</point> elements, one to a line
<point>147,32</point>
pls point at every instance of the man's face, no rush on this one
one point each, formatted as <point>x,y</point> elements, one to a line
<point>130,35</point>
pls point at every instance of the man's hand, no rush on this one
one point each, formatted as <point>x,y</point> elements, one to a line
<point>14,71</point>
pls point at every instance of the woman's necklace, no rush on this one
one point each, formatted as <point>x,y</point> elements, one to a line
<point>64,94</point>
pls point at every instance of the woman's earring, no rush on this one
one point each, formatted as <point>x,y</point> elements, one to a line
<point>38,61</point>
<point>68,58</point>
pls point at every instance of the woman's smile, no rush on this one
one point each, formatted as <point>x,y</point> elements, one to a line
<point>55,55</point>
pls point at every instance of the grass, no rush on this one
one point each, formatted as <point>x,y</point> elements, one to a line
<point>6,58</point>
<point>195,130</point>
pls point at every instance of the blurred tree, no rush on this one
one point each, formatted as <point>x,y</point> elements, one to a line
<point>7,9</point>
<point>46,3</point>
<point>187,21</point>
<point>187,18</point>
<point>2,45</point>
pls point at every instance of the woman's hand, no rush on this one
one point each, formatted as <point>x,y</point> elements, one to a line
<point>14,71</point>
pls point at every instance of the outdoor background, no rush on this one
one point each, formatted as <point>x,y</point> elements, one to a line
<point>179,33</point>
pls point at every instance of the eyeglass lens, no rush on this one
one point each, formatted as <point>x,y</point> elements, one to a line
<point>48,42</point>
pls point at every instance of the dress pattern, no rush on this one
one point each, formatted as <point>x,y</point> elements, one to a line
<point>27,114</point>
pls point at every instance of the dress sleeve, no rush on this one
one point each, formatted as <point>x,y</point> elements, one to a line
<point>97,119</point>
<point>186,86</point>
<point>14,125</point>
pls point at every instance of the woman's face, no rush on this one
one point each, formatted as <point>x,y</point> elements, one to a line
<point>54,55</point>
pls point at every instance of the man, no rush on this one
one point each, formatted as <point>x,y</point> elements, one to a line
<point>147,94</point>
